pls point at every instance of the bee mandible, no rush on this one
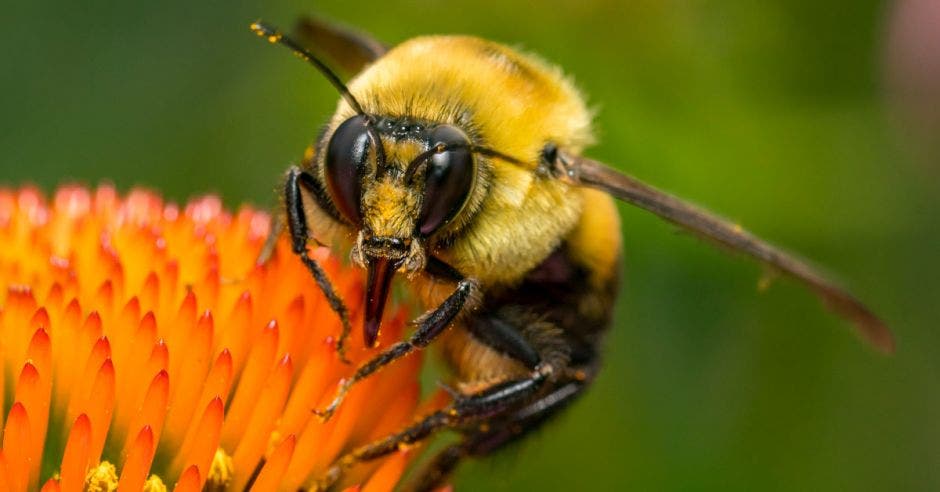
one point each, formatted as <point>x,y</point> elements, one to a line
<point>458,163</point>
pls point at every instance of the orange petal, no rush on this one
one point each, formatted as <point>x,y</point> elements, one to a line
<point>137,464</point>
<point>254,441</point>
<point>91,330</point>
<point>208,288</point>
<point>66,360</point>
<point>51,485</point>
<point>134,382</point>
<point>158,360</point>
<point>252,381</point>
<point>104,298</point>
<point>100,404</point>
<point>56,296</point>
<point>320,443</point>
<point>273,471</point>
<point>40,320</point>
<point>150,292</point>
<point>178,326</point>
<point>40,354</point>
<point>189,481</point>
<point>344,423</point>
<point>314,380</point>
<point>18,310</point>
<point>385,478</point>
<point>218,381</point>
<point>292,337</point>
<point>2,379</point>
<point>5,483</point>
<point>29,394</point>
<point>100,352</point>
<point>399,389</point>
<point>235,331</point>
<point>75,458</point>
<point>16,446</point>
<point>153,409</point>
<point>120,331</point>
<point>398,412</point>
<point>193,363</point>
<point>169,287</point>
<point>201,443</point>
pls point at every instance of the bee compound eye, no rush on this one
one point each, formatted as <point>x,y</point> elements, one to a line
<point>346,161</point>
<point>449,178</point>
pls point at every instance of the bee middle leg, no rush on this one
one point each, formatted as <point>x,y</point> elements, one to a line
<point>490,436</point>
<point>430,326</point>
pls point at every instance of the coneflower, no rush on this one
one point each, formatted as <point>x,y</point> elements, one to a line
<point>144,349</point>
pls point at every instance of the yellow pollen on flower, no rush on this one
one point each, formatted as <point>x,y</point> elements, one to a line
<point>221,471</point>
<point>102,478</point>
<point>154,484</point>
<point>142,345</point>
<point>273,441</point>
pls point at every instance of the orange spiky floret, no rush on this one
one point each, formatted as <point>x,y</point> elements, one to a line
<point>143,346</point>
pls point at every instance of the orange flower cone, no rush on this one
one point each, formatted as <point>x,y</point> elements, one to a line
<point>143,348</point>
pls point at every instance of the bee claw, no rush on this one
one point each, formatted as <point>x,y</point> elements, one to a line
<point>332,476</point>
<point>325,415</point>
<point>341,351</point>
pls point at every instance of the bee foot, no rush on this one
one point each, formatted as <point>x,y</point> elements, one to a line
<point>332,476</point>
<point>341,352</point>
<point>326,414</point>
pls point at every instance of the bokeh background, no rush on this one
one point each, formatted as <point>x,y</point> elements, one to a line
<point>811,122</point>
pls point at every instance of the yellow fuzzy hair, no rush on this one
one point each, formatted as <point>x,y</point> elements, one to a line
<point>506,101</point>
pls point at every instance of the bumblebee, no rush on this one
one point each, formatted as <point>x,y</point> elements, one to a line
<point>458,164</point>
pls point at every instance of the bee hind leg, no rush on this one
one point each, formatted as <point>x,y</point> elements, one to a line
<point>491,436</point>
<point>521,402</point>
<point>537,344</point>
<point>494,400</point>
<point>299,233</point>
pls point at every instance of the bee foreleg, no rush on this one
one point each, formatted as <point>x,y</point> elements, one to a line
<point>430,325</point>
<point>494,400</point>
<point>299,233</point>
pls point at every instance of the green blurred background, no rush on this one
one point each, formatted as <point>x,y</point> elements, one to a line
<point>772,113</point>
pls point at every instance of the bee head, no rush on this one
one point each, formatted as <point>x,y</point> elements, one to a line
<point>398,182</point>
<point>396,200</point>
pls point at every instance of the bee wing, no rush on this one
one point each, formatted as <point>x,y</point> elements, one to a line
<point>586,172</point>
<point>348,49</point>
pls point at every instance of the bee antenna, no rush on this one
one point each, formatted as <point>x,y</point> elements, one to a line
<point>273,35</point>
<point>441,148</point>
